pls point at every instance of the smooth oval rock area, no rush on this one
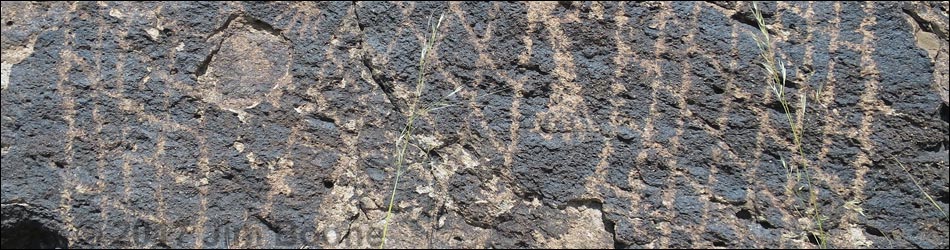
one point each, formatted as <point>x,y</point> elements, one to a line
<point>248,65</point>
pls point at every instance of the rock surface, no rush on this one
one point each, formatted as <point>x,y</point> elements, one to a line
<point>577,124</point>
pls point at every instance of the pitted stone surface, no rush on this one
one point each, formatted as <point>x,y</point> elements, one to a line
<point>574,125</point>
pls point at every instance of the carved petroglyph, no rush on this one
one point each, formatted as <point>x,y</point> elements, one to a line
<point>249,65</point>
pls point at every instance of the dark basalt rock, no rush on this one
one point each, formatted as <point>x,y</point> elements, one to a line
<point>577,124</point>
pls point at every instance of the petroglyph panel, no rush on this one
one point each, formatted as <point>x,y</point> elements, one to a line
<point>572,124</point>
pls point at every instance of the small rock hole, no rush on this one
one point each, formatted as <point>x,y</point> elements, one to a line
<point>744,214</point>
<point>873,231</point>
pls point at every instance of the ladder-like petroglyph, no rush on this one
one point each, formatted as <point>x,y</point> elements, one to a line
<point>575,124</point>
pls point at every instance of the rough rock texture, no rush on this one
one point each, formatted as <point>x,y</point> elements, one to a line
<point>578,124</point>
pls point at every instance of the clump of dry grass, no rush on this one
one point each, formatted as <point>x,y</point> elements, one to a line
<point>415,111</point>
<point>799,172</point>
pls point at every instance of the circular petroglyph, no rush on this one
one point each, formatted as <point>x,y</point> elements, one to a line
<point>251,64</point>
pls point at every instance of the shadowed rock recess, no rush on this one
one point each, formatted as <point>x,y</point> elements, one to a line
<point>577,124</point>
